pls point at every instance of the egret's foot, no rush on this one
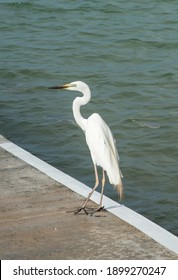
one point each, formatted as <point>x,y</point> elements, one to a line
<point>93,211</point>
<point>80,209</point>
<point>101,208</point>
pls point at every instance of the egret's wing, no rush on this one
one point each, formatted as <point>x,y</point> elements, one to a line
<point>102,147</point>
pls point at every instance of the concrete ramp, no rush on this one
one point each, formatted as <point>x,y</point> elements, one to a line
<point>37,220</point>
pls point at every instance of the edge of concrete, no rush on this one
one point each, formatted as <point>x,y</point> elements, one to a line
<point>148,227</point>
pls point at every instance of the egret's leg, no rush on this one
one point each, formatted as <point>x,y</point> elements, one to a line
<point>94,188</point>
<point>90,194</point>
<point>101,208</point>
<point>102,189</point>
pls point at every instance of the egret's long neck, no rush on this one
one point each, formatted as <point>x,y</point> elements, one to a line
<point>78,102</point>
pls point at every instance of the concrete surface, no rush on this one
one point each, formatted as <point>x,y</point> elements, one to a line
<point>37,222</point>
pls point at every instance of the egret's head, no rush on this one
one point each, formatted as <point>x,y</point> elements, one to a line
<point>78,86</point>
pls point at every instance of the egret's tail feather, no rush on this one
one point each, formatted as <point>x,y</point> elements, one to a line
<point>119,188</point>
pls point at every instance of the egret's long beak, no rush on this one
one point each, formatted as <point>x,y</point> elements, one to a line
<point>60,87</point>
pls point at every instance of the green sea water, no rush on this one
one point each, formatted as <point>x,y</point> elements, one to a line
<point>127,52</point>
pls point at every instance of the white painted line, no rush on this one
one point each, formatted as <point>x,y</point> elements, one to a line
<point>151,229</point>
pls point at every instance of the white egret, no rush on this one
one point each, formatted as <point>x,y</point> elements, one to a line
<point>100,141</point>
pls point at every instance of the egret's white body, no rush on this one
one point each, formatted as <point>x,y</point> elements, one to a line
<point>99,139</point>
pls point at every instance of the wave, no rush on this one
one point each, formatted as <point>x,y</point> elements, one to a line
<point>146,124</point>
